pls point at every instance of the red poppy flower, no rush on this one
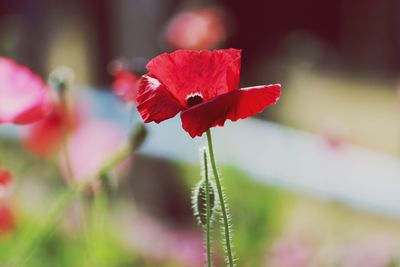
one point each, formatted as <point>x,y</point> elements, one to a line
<point>125,85</point>
<point>45,137</point>
<point>203,86</point>
<point>24,98</point>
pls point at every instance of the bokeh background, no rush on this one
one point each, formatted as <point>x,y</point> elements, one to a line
<point>312,181</point>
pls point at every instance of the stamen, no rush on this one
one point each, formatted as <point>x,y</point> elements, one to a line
<point>194,99</point>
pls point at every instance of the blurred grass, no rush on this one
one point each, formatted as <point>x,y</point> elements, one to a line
<point>24,165</point>
<point>255,209</point>
<point>261,212</point>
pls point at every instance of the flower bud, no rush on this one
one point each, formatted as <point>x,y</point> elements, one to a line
<point>61,79</point>
<point>200,202</point>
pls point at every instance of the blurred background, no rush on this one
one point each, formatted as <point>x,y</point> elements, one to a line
<point>312,181</point>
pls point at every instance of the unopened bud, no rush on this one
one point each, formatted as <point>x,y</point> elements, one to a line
<point>200,202</point>
<point>61,79</point>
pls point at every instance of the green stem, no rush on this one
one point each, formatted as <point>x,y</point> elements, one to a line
<point>119,157</point>
<point>85,232</point>
<point>221,199</point>
<point>208,212</point>
<point>64,141</point>
<point>65,154</point>
<point>98,233</point>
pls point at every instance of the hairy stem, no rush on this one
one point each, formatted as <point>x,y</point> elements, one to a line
<point>228,245</point>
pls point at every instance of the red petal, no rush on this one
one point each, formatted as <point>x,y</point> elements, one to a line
<point>232,106</point>
<point>45,137</point>
<point>35,113</point>
<point>154,101</point>
<point>185,72</point>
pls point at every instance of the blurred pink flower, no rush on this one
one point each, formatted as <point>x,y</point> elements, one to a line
<point>377,251</point>
<point>158,242</point>
<point>24,98</point>
<point>196,29</point>
<point>291,252</point>
<point>92,145</point>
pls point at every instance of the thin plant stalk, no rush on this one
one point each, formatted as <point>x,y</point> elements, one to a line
<point>208,212</point>
<point>228,245</point>
<point>64,141</point>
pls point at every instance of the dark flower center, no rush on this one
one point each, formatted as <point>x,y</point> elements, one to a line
<point>194,99</point>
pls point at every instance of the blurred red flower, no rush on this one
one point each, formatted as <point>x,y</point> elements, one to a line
<point>6,216</point>
<point>203,86</point>
<point>24,97</point>
<point>125,85</point>
<point>5,178</point>
<point>7,222</point>
<point>196,29</point>
<point>45,137</point>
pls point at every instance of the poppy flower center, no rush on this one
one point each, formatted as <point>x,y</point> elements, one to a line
<point>194,99</point>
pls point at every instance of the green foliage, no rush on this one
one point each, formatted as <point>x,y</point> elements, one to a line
<point>92,243</point>
<point>255,209</point>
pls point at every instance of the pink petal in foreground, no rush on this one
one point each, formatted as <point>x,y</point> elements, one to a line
<point>232,106</point>
<point>24,98</point>
<point>90,147</point>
